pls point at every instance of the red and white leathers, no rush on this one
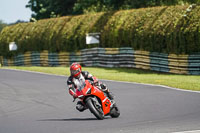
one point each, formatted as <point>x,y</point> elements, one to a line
<point>74,82</point>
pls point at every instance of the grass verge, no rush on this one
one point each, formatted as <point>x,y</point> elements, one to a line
<point>188,82</point>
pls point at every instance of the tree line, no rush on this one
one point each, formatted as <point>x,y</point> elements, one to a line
<point>56,8</point>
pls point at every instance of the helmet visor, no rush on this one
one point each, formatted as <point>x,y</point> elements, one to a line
<point>74,72</point>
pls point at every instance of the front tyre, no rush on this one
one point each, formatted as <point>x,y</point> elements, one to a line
<point>92,107</point>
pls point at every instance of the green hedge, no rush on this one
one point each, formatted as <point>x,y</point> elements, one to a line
<point>174,29</point>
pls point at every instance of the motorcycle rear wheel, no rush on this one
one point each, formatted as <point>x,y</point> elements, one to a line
<point>114,113</point>
<point>90,104</point>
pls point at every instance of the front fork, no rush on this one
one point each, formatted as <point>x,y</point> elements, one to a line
<point>97,104</point>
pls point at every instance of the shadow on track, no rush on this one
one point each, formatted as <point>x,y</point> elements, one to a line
<point>71,119</point>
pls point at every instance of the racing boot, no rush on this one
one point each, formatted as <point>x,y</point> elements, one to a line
<point>105,89</point>
<point>80,107</point>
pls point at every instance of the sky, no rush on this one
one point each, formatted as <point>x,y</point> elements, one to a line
<point>13,10</point>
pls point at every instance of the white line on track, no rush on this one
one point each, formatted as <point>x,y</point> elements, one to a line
<point>194,131</point>
<point>177,89</point>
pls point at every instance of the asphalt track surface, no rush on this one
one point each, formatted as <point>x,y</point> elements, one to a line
<point>39,103</point>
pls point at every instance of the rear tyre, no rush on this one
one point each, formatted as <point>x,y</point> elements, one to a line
<point>114,113</point>
<point>93,109</point>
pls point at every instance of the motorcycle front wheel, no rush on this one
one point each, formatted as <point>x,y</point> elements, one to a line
<point>93,109</point>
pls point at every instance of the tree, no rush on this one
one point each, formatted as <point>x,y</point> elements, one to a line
<point>18,21</point>
<point>2,25</point>
<point>84,6</point>
<point>54,8</point>
<point>50,8</point>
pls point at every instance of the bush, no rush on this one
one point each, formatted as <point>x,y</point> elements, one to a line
<point>173,29</point>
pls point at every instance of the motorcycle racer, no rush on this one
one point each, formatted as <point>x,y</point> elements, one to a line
<point>77,77</point>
